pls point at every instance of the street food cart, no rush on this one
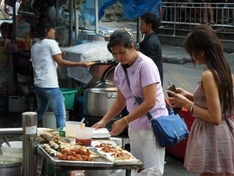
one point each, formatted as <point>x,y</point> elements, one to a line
<point>32,149</point>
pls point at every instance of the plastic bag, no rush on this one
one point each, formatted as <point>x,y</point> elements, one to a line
<point>153,171</point>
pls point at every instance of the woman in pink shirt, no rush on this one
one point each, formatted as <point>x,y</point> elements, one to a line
<point>144,84</point>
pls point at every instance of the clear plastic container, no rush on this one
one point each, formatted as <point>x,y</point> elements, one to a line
<point>14,150</point>
<point>84,136</point>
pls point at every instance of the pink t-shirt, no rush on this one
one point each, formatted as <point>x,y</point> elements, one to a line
<point>142,73</point>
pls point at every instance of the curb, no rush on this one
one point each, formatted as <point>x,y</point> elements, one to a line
<point>176,60</point>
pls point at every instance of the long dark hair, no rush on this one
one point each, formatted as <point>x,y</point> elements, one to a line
<point>203,37</point>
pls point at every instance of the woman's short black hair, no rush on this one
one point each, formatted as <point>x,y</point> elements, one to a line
<point>120,37</point>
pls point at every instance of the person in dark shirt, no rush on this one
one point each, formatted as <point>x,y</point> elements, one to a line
<point>151,46</point>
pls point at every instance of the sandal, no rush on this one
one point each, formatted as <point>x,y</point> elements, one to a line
<point>212,23</point>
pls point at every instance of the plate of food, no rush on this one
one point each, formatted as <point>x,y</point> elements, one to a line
<point>102,142</point>
<point>115,153</point>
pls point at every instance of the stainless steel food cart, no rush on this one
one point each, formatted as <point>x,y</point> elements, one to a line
<point>100,163</point>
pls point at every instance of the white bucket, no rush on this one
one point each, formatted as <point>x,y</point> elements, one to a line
<point>15,150</point>
<point>49,120</point>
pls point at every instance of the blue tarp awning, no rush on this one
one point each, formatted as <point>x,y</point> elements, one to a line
<point>132,8</point>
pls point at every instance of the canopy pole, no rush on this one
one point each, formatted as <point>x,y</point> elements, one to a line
<point>97,17</point>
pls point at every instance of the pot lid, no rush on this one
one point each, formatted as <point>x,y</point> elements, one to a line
<point>98,90</point>
<point>103,84</point>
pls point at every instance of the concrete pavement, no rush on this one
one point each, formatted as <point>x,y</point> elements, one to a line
<point>173,54</point>
<point>179,69</point>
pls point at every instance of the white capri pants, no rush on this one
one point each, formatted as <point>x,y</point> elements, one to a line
<point>144,147</point>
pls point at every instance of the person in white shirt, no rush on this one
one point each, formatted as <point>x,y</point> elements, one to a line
<point>46,56</point>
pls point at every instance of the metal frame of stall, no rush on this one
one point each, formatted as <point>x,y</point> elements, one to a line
<point>29,132</point>
<point>30,147</point>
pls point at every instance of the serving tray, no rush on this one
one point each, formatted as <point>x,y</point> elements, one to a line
<point>99,160</point>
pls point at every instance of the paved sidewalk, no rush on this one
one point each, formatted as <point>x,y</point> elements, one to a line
<point>173,54</point>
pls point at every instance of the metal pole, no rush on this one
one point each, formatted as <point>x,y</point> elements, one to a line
<point>57,13</point>
<point>70,22</point>
<point>174,24</point>
<point>96,17</point>
<point>29,123</point>
<point>138,30</point>
<point>11,131</point>
<point>14,21</point>
<point>76,18</point>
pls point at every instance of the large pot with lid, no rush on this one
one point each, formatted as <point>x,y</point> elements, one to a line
<point>97,101</point>
<point>10,165</point>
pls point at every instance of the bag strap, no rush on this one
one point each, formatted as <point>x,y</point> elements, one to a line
<point>136,98</point>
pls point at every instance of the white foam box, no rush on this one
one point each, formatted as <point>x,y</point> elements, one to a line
<point>17,104</point>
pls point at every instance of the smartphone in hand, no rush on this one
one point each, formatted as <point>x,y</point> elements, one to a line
<point>172,88</point>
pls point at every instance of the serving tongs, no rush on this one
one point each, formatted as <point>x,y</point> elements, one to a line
<point>6,140</point>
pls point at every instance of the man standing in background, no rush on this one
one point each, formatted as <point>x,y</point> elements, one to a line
<point>151,46</point>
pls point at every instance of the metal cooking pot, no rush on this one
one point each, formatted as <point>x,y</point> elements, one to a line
<point>97,101</point>
<point>10,166</point>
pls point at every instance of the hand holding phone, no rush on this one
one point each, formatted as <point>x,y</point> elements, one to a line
<point>173,89</point>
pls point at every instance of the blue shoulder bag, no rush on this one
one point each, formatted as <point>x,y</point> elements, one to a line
<point>168,130</point>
